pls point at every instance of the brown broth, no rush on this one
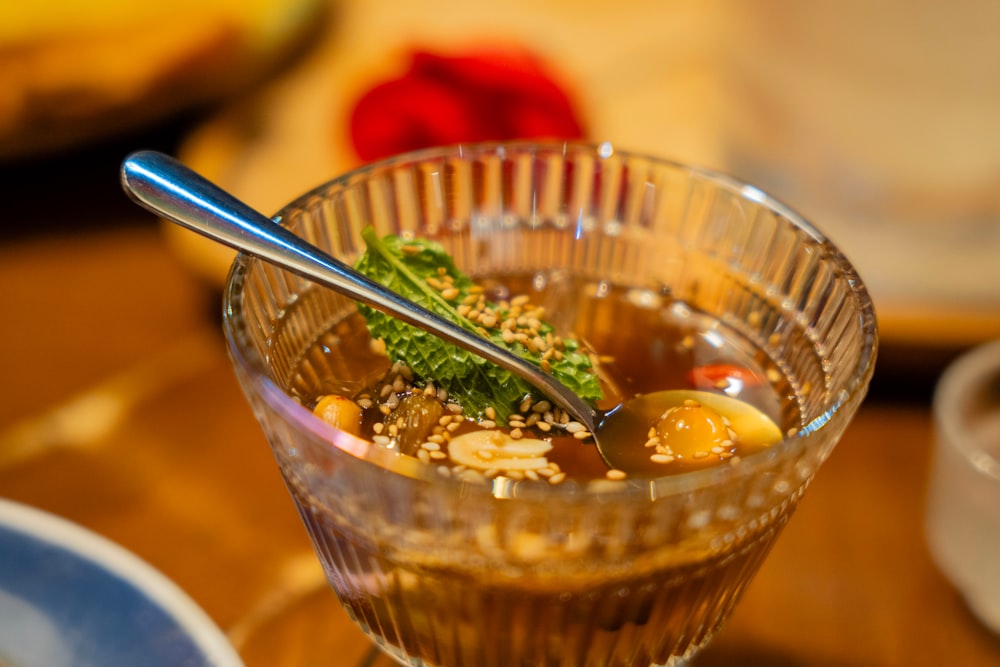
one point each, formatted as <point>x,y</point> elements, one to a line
<point>646,342</point>
<point>560,616</point>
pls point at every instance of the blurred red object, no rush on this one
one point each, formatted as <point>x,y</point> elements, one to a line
<point>479,96</point>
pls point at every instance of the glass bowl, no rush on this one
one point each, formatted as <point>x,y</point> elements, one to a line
<point>447,571</point>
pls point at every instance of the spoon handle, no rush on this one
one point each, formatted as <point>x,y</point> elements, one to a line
<point>167,188</point>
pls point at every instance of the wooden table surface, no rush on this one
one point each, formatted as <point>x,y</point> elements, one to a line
<point>118,410</point>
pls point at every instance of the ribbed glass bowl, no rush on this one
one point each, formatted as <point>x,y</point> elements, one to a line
<point>454,573</point>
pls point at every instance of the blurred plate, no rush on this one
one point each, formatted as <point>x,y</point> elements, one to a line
<point>84,69</point>
<point>69,597</point>
<point>652,87</point>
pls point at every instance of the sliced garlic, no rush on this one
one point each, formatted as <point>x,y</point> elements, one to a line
<point>490,449</point>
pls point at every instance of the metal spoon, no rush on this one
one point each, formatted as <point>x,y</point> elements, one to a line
<point>164,186</point>
<point>167,188</point>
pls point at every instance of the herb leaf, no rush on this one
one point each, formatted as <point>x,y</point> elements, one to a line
<point>423,272</point>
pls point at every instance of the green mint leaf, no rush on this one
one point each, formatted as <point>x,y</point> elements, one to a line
<point>423,272</point>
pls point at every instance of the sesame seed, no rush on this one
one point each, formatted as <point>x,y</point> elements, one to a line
<point>616,475</point>
<point>516,433</point>
<point>541,406</point>
<point>378,427</point>
<point>444,471</point>
<point>574,427</point>
<point>661,458</point>
<point>433,445</point>
<point>488,423</point>
<point>516,423</point>
<point>437,455</point>
<point>557,478</point>
<point>452,427</point>
<point>381,440</point>
<point>532,475</point>
<point>716,450</point>
<point>700,455</point>
<point>525,405</point>
<point>424,455</point>
<point>545,427</point>
<point>652,442</point>
<point>581,435</point>
<point>449,293</point>
<point>490,412</point>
